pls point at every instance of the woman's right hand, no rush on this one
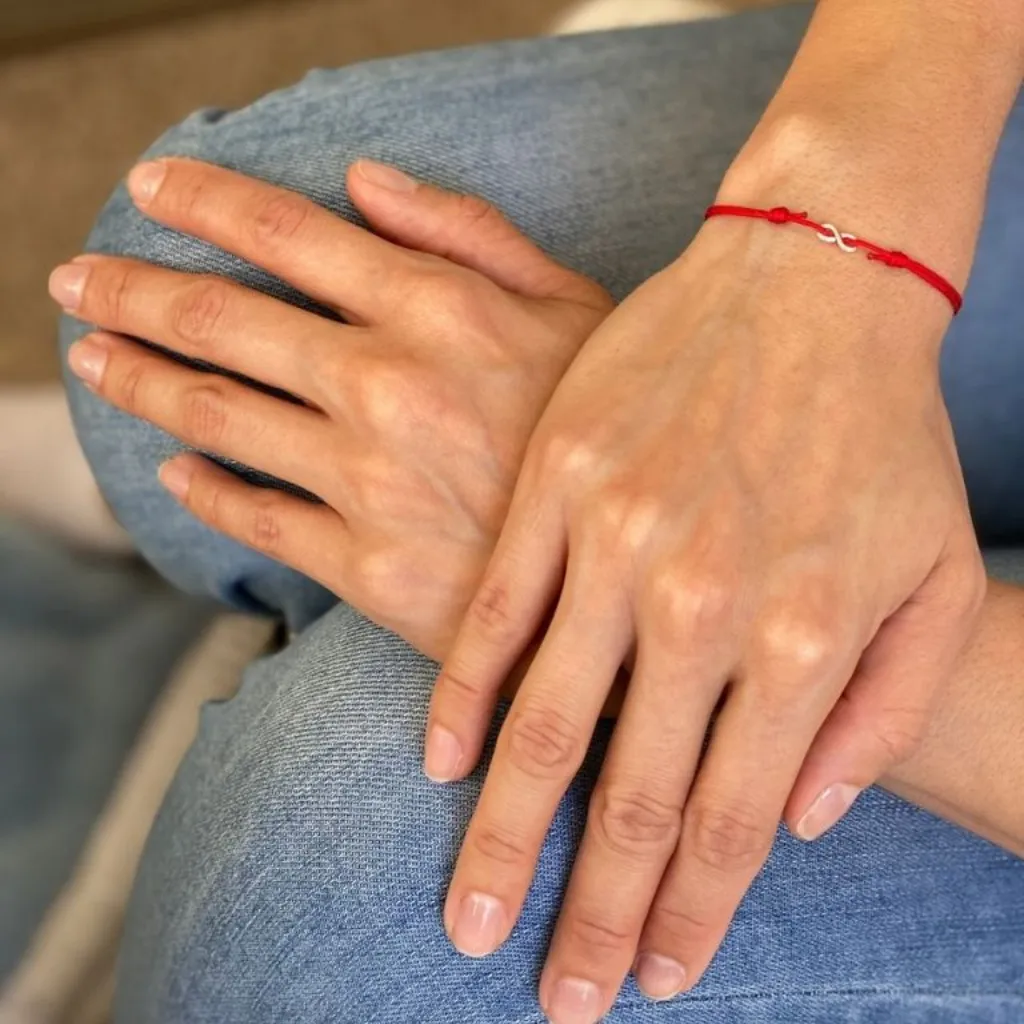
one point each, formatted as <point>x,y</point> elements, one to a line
<point>415,413</point>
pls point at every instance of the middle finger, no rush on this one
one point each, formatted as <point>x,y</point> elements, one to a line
<point>344,267</point>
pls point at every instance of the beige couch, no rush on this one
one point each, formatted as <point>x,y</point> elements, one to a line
<point>28,24</point>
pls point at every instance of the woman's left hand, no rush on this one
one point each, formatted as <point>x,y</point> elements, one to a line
<point>410,419</point>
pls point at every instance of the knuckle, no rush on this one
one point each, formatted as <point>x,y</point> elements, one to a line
<point>566,454</point>
<point>187,192</point>
<point>491,610</point>
<point>196,314</point>
<point>205,503</point>
<point>634,824</point>
<point>727,838</point>
<point>973,589</point>
<point>126,389</point>
<point>280,218</point>
<point>263,529</point>
<point>584,931</point>
<point>901,732</point>
<point>498,845</point>
<point>799,643</point>
<point>114,296</point>
<point>685,605</point>
<point>374,487</point>
<point>381,572</point>
<point>679,923</point>
<point>204,415</point>
<point>543,743</point>
<point>455,683</point>
<point>474,212</point>
<point>978,590</point>
<point>624,519</point>
<point>385,397</point>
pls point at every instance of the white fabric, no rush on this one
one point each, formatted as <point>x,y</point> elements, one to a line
<point>599,15</point>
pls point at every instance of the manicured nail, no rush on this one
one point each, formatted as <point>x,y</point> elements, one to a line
<point>386,177</point>
<point>145,180</point>
<point>659,977</point>
<point>88,360</point>
<point>574,1001</point>
<point>67,284</point>
<point>479,926</point>
<point>826,811</point>
<point>176,476</point>
<point>443,755</point>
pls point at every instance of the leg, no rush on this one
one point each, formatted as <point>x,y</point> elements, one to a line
<point>300,863</point>
<point>298,870</point>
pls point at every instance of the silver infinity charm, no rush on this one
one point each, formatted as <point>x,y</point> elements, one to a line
<point>836,237</point>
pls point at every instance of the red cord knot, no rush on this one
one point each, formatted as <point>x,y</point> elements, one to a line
<point>896,260</point>
<point>779,215</point>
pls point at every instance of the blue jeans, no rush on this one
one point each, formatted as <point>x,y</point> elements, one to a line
<point>298,868</point>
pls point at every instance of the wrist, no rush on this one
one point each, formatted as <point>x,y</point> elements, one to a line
<point>835,302</point>
<point>888,121</point>
<point>866,183</point>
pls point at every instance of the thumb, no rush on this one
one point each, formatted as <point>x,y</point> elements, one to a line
<point>884,713</point>
<point>464,229</point>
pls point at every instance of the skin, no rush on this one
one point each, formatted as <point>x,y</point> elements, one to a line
<point>748,477</point>
<point>427,475</point>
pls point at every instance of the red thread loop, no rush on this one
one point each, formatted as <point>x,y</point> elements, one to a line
<point>896,260</point>
<point>887,257</point>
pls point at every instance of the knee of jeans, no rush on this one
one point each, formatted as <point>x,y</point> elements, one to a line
<point>299,867</point>
<point>300,862</point>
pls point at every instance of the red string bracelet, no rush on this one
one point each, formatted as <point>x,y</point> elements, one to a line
<point>831,235</point>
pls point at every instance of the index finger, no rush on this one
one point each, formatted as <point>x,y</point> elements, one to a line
<point>332,261</point>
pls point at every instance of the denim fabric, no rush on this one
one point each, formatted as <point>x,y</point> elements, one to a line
<point>298,869</point>
<point>85,646</point>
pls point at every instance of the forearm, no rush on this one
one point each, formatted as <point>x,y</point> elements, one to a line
<point>888,121</point>
<point>970,768</point>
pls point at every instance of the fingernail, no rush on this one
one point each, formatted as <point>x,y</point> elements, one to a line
<point>479,926</point>
<point>826,811</point>
<point>659,977</point>
<point>386,177</point>
<point>67,284</point>
<point>443,755</point>
<point>574,1001</point>
<point>145,180</point>
<point>176,477</point>
<point>87,360</point>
